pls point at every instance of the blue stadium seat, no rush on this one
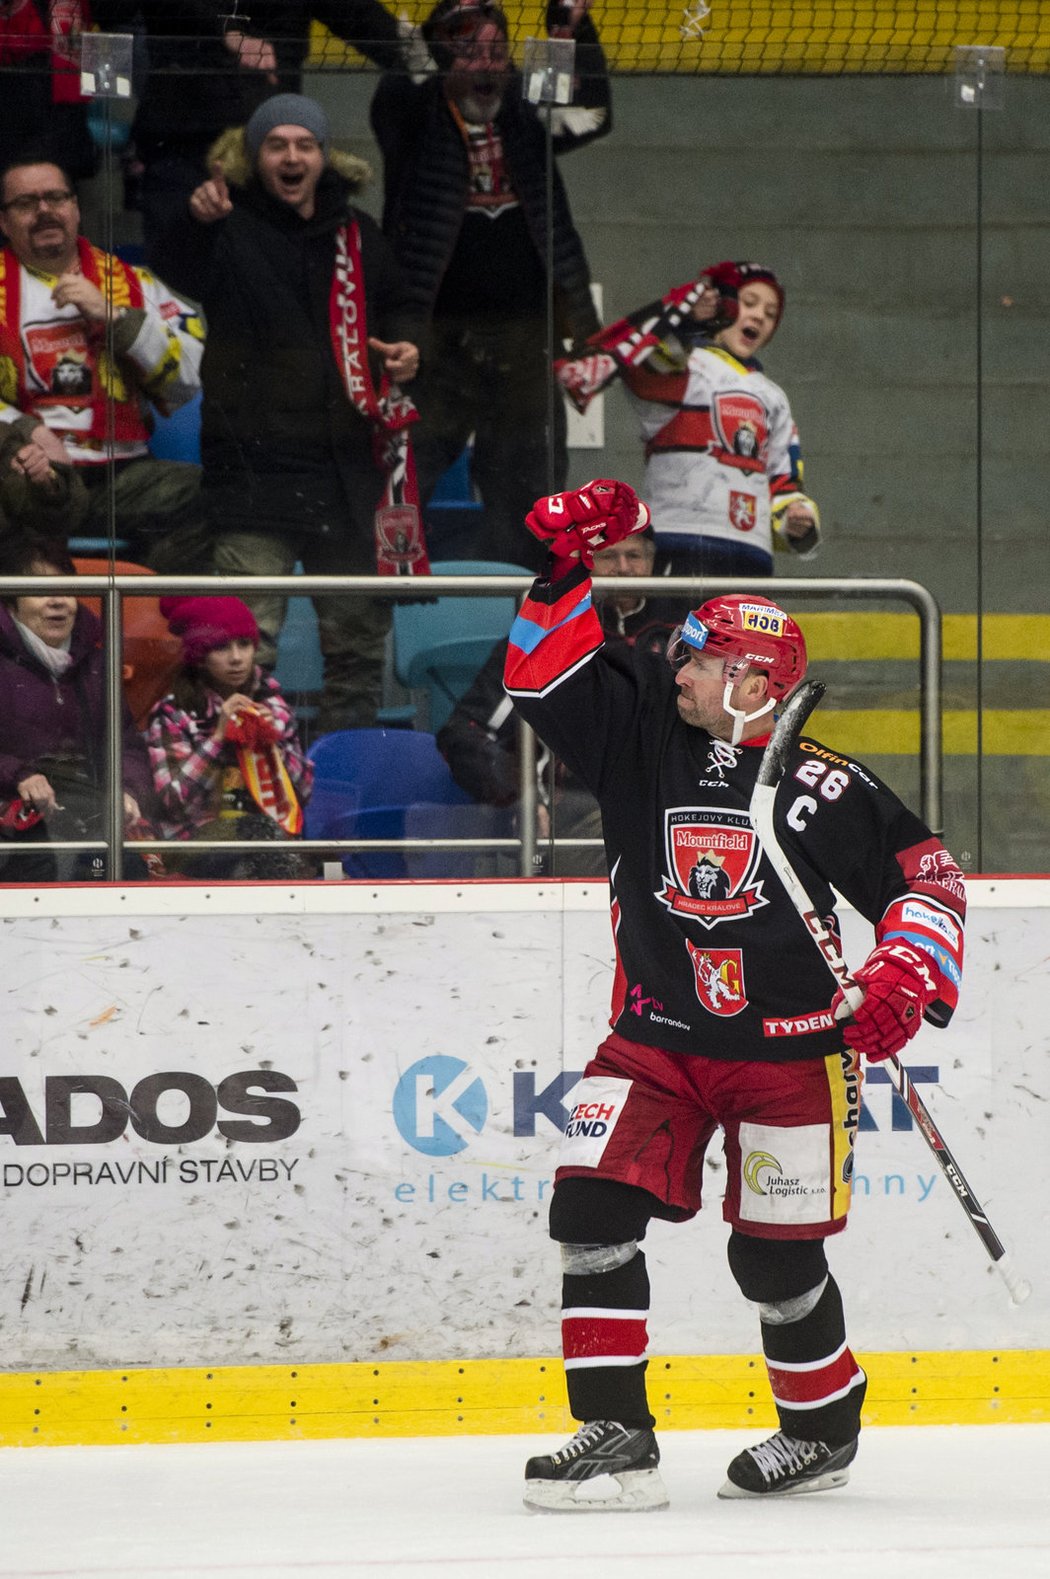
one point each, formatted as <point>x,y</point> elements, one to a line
<point>299,667</point>
<point>453,513</point>
<point>394,784</point>
<point>454,489</point>
<point>178,437</point>
<point>440,646</point>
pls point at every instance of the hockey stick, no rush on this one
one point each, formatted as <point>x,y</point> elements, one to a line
<point>770,772</point>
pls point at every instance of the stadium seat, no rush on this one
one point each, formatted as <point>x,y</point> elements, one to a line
<point>394,784</point>
<point>452,514</point>
<point>299,666</point>
<point>440,646</point>
<point>178,437</point>
<point>454,489</point>
<point>152,656</point>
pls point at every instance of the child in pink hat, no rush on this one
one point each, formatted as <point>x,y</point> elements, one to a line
<point>224,745</point>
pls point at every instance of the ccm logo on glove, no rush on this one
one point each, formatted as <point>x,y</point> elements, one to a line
<point>898,988</point>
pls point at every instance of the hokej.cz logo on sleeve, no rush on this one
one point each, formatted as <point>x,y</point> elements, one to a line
<point>712,857</point>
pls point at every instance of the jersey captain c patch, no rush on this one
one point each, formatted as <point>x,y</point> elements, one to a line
<point>712,857</point>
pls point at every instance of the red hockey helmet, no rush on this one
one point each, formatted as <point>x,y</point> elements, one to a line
<point>749,630</point>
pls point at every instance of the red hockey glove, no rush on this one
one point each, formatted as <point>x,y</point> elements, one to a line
<point>898,986</point>
<point>575,524</point>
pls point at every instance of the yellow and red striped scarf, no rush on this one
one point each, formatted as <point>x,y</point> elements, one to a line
<point>119,283</point>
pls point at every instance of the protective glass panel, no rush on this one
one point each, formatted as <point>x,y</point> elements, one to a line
<point>884,180</point>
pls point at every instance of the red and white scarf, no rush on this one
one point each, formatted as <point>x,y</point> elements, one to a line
<point>625,344</point>
<point>400,546</point>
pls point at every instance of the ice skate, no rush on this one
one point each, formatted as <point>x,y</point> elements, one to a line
<point>606,1467</point>
<point>783,1466</point>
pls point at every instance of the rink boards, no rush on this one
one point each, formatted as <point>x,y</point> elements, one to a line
<point>276,1162</point>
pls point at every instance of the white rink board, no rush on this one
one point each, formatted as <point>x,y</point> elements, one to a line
<point>390,1201</point>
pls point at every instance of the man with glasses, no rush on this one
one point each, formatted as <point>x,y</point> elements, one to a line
<point>89,348</point>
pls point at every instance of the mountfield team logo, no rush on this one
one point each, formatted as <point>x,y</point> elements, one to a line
<point>439,1105</point>
<point>712,859</point>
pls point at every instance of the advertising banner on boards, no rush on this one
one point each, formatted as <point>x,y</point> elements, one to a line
<point>323,1127</point>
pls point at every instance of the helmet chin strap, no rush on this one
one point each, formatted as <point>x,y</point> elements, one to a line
<point>738,715</point>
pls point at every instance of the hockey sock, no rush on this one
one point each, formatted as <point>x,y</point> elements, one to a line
<point>604,1341</point>
<point>818,1387</point>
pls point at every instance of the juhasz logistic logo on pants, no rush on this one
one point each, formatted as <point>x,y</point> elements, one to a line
<point>439,1104</point>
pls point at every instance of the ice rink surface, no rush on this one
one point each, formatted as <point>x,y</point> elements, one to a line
<point>923,1503</point>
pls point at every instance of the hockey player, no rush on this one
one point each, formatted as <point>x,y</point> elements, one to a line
<point>723,1013</point>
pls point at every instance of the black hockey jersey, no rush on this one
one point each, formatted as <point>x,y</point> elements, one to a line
<point>712,957</point>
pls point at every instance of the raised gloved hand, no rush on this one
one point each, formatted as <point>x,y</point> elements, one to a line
<point>898,987</point>
<point>577,523</point>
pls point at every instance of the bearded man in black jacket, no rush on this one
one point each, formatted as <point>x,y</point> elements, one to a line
<point>466,210</point>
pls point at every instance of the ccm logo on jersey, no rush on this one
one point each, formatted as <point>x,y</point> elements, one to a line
<point>800,1024</point>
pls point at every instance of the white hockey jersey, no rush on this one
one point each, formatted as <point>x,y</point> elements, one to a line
<point>54,365</point>
<point>722,451</point>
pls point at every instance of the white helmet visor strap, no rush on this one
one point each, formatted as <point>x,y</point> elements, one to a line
<point>738,715</point>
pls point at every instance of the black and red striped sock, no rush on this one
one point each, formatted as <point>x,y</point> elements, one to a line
<point>604,1338</point>
<point>818,1387</point>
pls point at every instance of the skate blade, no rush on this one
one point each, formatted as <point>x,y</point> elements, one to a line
<point>828,1482</point>
<point>635,1491</point>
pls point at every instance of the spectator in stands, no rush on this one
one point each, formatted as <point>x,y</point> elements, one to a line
<point>480,739</point>
<point>41,105</point>
<point>723,466</point>
<point>38,495</point>
<point>52,722</point>
<point>224,746</point>
<point>300,397</point>
<point>64,307</point>
<point>210,69</point>
<point>465,207</point>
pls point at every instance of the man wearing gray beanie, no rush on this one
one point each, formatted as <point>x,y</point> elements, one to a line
<point>211,67</point>
<point>304,424</point>
<point>283,109</point>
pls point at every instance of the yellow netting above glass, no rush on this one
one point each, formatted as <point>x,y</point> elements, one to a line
<point>742,37</point>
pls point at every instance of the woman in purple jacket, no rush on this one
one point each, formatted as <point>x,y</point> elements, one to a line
<point>52,723</point>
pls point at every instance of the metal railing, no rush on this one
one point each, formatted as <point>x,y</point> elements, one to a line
<point>112,589</point>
